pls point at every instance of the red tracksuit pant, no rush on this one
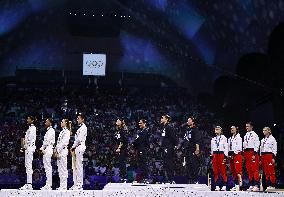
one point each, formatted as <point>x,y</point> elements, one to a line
<point>268,167</point>
<point>219,167</point>
<point>252,166</point>
<point>236,164</point>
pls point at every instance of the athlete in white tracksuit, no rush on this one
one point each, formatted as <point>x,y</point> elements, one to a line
<point>29,148</point>
<point>62,152</point>
<point>79,147</point>
<point>47,150</point>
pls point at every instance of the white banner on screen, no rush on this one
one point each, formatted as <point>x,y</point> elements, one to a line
<point>94,64</point>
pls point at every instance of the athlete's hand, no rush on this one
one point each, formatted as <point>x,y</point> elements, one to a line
<point>72,150</point>
<point>273,161</point>
<point>41,151</point>
<point>197,152</point>
<point>253,158</point>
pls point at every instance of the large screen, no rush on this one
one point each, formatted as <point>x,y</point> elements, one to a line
<point>94,64</point>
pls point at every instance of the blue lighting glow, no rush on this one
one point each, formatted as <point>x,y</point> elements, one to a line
<point>186,19</point>
<point>15,13</point>
<point>11,17</point>
<point>158,4</point>
<point>140,55</point>
<point>205,49</point>
<point>36,54</point>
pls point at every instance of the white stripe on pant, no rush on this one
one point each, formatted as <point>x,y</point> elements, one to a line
<point>62,168</point>
<point>78,175</point>
<point>47,165</point>
<point>29,154</point>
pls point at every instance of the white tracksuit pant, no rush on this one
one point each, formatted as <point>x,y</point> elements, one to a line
<point>29,154</point>
<point>47,164</point>
<point>78,174</point>
<point>62,167</point>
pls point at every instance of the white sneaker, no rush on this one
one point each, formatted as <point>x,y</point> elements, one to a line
<point>76,188</point>
<point>61,188</point>
<point>255,189</point>
<point>71,188</point>
<point>235,188</point>
<point>269,188</point>
<point>217,188</point>
<point>224,188</point>
<point>145,181</point>
<point>250,188</point>
<point>46,187</point>
<point>26,187</point>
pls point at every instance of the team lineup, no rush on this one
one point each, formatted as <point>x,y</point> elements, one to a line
<point>61,152</point>
<point>233,150</point>
<point>254,151</point>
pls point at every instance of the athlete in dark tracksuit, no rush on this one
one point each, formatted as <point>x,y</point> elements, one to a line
<point>121,147</point>
<point>141,145</point>
<point>168,146</point>
<point>191,142</point>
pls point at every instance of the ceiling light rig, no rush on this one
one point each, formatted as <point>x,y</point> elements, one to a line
<point>86,14</point>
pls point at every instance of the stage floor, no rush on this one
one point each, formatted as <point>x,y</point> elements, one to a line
<point>141,190</point>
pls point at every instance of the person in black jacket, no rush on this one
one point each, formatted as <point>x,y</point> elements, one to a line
<point>191,145</point>
<point>121,147</point>
<point>168,146</point>
<point>141,145</point>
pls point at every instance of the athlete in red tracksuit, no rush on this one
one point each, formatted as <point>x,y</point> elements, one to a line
<point>219,152</point>
<point>268,151</point>
<point>236,158</point>
<point>251,146</point>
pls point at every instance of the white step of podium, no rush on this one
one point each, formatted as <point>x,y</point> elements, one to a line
<point>189,187</point>
<point>139,190</point>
